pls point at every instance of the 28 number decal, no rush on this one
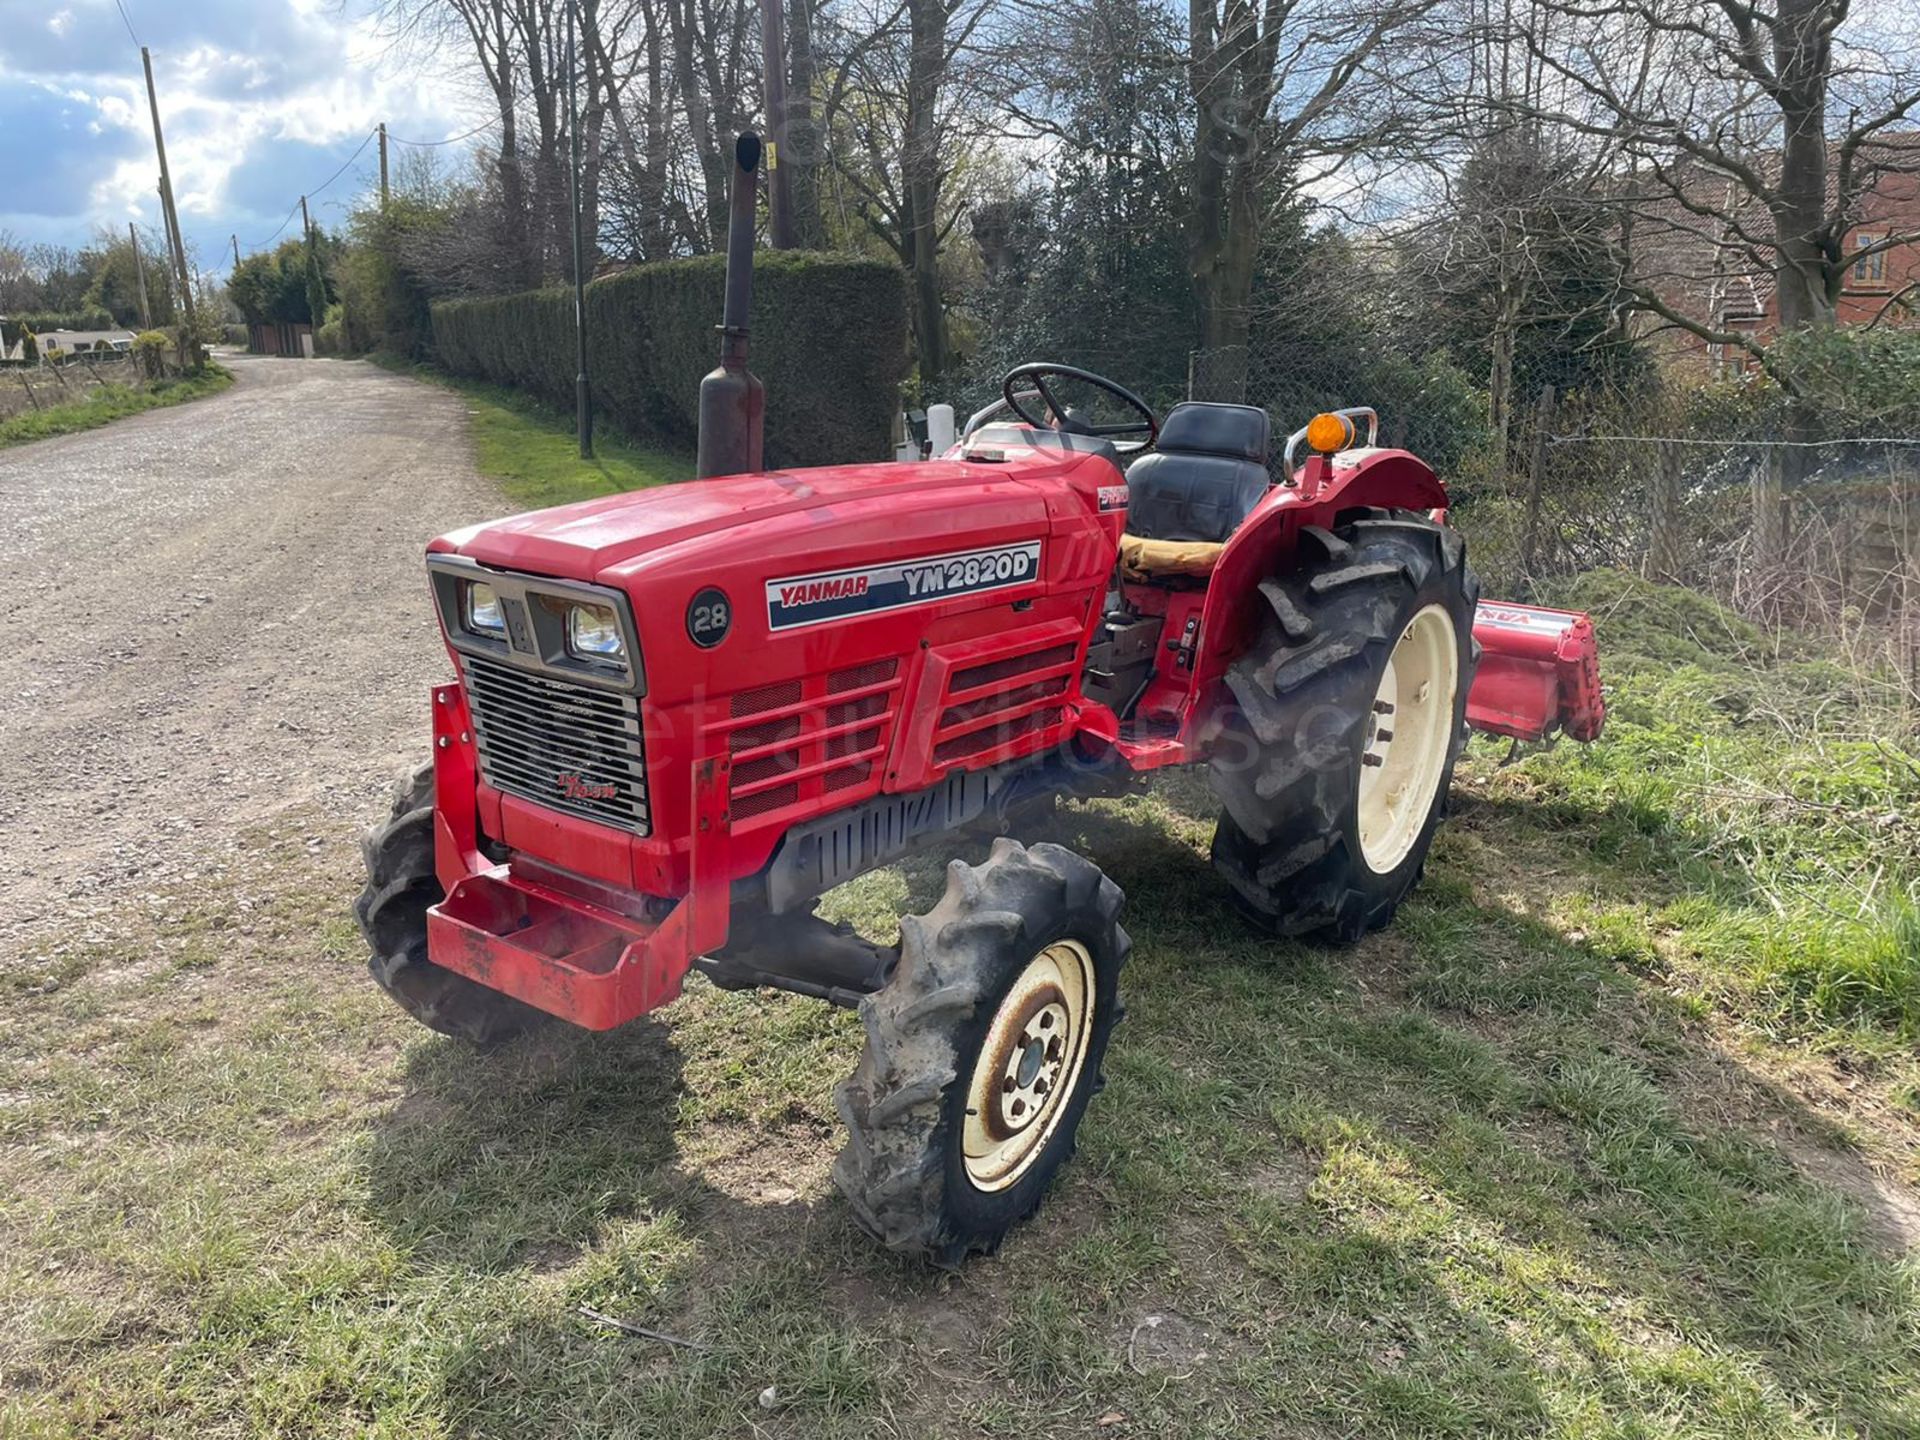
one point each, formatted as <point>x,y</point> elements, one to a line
<point>709,617</point>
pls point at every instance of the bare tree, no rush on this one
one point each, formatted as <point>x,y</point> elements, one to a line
<point>1273,83</point>
<point>1756,133</point>
<point>904,114</point>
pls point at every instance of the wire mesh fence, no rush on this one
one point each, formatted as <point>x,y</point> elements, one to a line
<point>1674,472</point>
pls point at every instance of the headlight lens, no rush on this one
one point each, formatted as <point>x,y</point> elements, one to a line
<point>483,610</point>
<point>593,633</point>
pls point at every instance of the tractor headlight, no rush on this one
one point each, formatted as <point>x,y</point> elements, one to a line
<point>483,611</point>
<point>593,633</point>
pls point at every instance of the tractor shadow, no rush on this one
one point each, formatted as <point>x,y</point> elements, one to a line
<point>567,1143</point>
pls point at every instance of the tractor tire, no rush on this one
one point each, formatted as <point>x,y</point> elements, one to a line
<point>1333,770</point>
<point>982,1052</point>
<point>392,913</point>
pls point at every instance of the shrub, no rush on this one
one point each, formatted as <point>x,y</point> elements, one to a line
<point>829,340</point>
<point>150,349</point>
<point>330,338</point>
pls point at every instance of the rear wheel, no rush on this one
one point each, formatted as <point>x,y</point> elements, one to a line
<point>392,912</point>
<point>982,1052</point>
<point>1333,771</point>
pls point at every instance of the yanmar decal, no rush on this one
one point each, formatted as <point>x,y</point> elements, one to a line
<point>810,599</point>
<point>1113,497</point>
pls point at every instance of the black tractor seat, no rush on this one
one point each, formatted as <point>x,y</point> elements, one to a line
<point>1205,475</point>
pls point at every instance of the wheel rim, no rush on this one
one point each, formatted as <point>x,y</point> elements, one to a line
<point>1029,1065</point>
<point>1408,732</point>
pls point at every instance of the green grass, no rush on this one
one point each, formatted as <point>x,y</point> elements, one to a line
<point>1596,1141</point>
<point>110,402</point>
<point>530,449</point>
<point>1752,823</point>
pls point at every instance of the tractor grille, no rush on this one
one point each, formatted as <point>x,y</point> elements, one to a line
<point>563,746</point>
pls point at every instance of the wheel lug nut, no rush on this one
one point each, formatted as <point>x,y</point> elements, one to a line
<point>1019,1107</point>
<point>1383,736</point>
<point>1374,760</point>
<point>1381,707</point>
<point>1007,1087</point>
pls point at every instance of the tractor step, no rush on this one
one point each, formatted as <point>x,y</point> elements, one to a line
<point>594,967</point>
<point>1539,673</point>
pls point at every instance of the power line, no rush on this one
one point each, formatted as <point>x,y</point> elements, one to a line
<point>127,22</point>
<point>315,191</point>
<point>261,245</point>
<point>455,140</point>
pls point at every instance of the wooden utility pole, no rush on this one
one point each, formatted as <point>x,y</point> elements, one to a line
<point>383,165</point>
<point>582,387</point>
<point>170,215</point>
<point>773,84</point>
<point>236,250</point>
<point>140,277</point>
<point>306,225</point>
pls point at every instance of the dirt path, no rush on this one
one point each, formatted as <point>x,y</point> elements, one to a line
<point>217,614</point>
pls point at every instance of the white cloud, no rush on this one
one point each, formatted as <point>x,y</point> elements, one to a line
<point>261,99</point>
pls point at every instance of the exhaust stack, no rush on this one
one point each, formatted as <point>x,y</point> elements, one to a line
<point>732,402</point>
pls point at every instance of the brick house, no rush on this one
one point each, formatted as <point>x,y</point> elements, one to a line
<point>1696,266</point>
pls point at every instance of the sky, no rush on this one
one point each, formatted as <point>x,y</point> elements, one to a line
<point>261,100</point>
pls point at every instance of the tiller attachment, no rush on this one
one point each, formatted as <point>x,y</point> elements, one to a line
<point>1539,673</point>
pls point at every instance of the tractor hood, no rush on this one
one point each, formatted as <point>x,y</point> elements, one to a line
<point>778,516</point>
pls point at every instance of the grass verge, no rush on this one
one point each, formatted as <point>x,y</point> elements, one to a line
<point>110,402</point>
<point>530,449</point>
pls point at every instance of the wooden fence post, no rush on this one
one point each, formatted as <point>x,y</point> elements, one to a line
<point>1663,517</point>
<point>1769,500</point>
<point>1536,481</point>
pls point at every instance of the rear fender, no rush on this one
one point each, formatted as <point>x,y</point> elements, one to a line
<point>1266,542</point>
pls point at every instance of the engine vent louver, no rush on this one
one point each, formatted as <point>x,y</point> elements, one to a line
<point>999,701</point>
<point>796,740</point>
<point>567,747</point>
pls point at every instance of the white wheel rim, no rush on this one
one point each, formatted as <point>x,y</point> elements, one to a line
<point>1029,1065</point>
<point>1408,733</point>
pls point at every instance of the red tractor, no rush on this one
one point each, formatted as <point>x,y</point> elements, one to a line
<point>683,715</point>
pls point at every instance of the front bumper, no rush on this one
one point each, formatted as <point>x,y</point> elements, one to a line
<point>544,940</point>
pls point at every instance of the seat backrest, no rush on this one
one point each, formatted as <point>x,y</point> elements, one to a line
<point>1205,474</point>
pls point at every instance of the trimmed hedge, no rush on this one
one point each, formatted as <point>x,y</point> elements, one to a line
<point>829,341</point>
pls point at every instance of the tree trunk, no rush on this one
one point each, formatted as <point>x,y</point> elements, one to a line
<point>920,171</point>
<point>1500,377</point>
<point>1223,229</point>
<point>693,101</point>
<point>1807,272</point>
<point>805,151</point>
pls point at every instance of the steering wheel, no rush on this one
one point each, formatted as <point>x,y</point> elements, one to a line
<point>1145,430</point>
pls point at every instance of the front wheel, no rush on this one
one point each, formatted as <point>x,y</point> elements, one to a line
<point>1333,769</point>
<point>982,1052</point>
<point>392,915</point>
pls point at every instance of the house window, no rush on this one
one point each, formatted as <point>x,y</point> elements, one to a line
<point>1869,269</point>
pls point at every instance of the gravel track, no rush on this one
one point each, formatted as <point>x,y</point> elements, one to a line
<point>218,616</point>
